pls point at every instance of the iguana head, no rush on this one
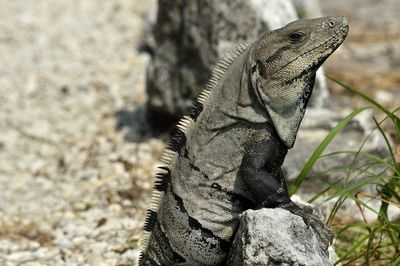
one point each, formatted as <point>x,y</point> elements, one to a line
<point>283,64</point>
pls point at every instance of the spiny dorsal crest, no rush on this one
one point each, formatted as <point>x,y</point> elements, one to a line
<point>178,139</point>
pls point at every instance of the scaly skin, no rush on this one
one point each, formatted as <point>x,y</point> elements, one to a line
<point>226,156</point>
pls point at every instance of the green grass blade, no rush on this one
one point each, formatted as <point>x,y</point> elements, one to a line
<point>322,146</point>
<point>352,249</point>
<point>377,159</point>
<point>386,140</point>
<point>391,115</point>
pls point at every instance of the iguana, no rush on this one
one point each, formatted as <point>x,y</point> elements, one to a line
<point>226,155</point>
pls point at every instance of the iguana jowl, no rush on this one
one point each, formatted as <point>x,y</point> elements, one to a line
<point>226,156</point>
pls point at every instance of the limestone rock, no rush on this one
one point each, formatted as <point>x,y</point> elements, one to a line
<point>308,8</point>
<point>189,39</point>
<point>276,237</point>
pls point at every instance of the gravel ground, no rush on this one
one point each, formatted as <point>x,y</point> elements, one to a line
<point>75,161</point>
<point>73,174</point>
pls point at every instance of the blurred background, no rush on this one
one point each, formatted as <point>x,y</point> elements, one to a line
<point>89,90</point>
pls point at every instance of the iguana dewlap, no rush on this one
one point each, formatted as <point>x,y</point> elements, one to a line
<point>226,156</point>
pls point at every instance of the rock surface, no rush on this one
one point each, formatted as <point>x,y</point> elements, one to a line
<point>190,38</point>
<point>276,237</point>
<point>308,8</point>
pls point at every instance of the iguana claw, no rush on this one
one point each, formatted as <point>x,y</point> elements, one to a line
<point>323,231</point>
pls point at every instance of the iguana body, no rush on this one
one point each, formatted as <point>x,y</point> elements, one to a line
<point>226,156</point>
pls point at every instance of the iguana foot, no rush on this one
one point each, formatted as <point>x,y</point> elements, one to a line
<point>323,231</point>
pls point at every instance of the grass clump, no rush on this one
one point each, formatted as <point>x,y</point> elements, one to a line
<point>364,242</point>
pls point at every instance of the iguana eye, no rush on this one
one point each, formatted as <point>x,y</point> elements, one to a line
<point>296,37</point>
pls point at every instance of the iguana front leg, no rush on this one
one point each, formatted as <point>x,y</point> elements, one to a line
<point>261,172</point>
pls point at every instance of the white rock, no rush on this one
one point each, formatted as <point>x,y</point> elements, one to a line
<point>20,256</point>
<point>129,257</point>
<point>276,237</point>
<point>384,96</point>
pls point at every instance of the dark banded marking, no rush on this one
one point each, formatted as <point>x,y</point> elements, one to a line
<point>207,233</point>
<point>159,250</point>
<point>234,197</point>
<point>141,259</point>
<point>184,153</point>
<point>195,168</point>
<point>311,69</point>
<point>161,185</point>
<point>319,61</point>
<point>277,55</point>
<point>177,141</point>
<point>195,224</point>
<point>163,180</point>
<point>307,95</point>
<point>196,110</point>
<point>166,247</point>
<point>151,220</point>
<point>157,242</point>
<point>163,167</point>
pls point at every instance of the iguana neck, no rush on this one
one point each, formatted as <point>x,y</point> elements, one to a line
<point>239,99</point>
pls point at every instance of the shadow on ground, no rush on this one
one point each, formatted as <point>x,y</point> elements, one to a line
<point>137,125</point>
